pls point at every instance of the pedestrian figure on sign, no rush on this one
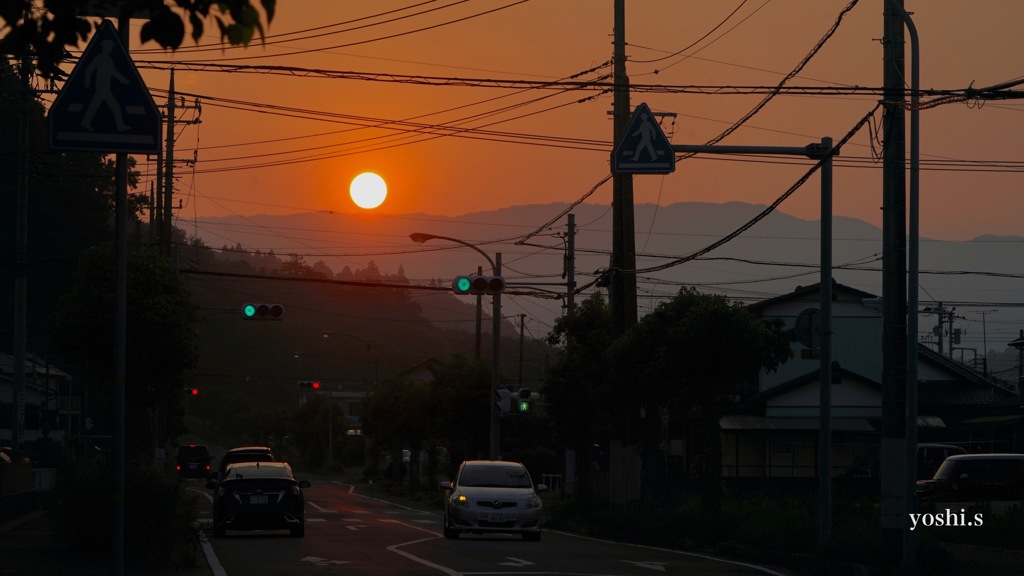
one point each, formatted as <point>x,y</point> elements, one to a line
<point>646,133</point>
<point>103,71</point>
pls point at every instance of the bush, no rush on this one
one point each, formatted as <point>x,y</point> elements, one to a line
<point>160,520</point>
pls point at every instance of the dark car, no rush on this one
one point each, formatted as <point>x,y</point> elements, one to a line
<point>490,496</point>
<point>931,456</point>
<point>258,496</point>
<point>243,454</point>
<point>975,478</point>
<point>193,461</point>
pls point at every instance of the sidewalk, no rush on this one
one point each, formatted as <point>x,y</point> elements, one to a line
<point>29,546</point>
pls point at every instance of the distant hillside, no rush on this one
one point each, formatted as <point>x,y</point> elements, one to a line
<point>773,257</point>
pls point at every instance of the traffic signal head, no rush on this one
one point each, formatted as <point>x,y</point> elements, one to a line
<point>192,390</point>
<point>524,400</point>
<point>263,311</point>
<point>309,385</point>
<point>478,284</point>
<point>503,399</point>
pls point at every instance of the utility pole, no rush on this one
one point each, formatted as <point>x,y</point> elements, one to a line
<point>984,339</point>
<point>522,323</point>
<point>622,285</point>
<point>894,502</point>
<point>623,272</point>
<point>570,267</point>
<point>479,316</point>
<point>166,222</point>
<point>21,264</point>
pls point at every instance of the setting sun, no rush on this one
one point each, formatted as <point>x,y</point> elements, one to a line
<point>368,190</point>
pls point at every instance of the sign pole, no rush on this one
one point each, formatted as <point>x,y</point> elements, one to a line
<point>120,316</point>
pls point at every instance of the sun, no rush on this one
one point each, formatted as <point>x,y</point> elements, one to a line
<point>368,190</point>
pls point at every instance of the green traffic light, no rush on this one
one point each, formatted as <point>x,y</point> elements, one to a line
<point>524,405</point>
<point>249,310</point>
<point>463,284</point>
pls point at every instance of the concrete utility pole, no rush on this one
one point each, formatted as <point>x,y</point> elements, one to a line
<point>166,221</point>
<point>894,504</point>
<point>570,266</point>
<point>623,273</point>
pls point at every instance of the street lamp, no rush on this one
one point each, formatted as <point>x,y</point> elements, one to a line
<point>495,442</point>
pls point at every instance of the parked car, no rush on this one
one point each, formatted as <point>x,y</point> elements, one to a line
<point>243,454</point>
<point>975,478</point>
<point>193,461</point>
<point>258,496</point>
<point>490,496</point>
<point>931,456</point>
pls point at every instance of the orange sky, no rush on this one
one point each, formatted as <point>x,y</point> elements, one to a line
<point>963,43</point>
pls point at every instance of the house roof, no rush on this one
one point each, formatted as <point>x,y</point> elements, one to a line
<point>426,364</point>
<point>33,365</point>
<point>964,388</point>
<point>802,292</point>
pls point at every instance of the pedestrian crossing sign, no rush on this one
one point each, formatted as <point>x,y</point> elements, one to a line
<point>104,105</point>
<point>643,148</point>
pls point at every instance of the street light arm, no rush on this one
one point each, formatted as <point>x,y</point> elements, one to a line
<point>421,237</point>
<point>329,333</point>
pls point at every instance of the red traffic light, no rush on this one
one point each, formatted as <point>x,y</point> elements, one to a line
<point>309,385</point>
<point>195,391</point>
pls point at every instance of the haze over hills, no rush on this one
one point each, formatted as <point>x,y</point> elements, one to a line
<point>983,278</point>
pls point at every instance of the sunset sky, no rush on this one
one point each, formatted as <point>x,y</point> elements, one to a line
<point>291,143</point>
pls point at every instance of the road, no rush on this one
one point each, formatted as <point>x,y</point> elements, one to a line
<point>350,533</point>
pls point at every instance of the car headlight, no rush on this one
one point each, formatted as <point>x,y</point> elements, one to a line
<point>533,502</point>
<point>460,500</point>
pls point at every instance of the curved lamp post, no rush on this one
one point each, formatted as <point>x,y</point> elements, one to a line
<point>495,442</point>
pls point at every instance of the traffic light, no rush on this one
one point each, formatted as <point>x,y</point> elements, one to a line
<point>192,390</point>
<point>309,385</point>
<point>504,400</point>
<point>263,311</point>
<point>524,400</point>
<point>478,284</point>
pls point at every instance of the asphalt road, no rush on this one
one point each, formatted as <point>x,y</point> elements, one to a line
<point>350,533</point>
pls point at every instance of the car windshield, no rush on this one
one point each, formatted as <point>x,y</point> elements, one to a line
<point>945,470</point>
<point>495,476</point>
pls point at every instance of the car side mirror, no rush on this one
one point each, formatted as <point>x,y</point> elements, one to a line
<point>304,484</point>
<point>541,488</point>
<point>446,485</point>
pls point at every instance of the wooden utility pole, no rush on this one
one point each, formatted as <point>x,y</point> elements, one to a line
<point>894,504</point>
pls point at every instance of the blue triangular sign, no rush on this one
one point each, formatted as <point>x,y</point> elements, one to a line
<point>643,148</point>
<point>104,105</point>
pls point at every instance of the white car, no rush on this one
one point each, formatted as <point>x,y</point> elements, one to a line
<point>492,496</point>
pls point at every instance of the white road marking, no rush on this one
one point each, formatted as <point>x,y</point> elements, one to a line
<point>659,566</point>
<point>316,561</point>
<point>517,562</point>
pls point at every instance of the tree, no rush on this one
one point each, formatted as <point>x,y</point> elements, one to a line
<point>459,400</point>
<point>577,395</point>
<point>691,358</point>
<point>64,23</point>
<point>161,334</point>
<point>69,205</point>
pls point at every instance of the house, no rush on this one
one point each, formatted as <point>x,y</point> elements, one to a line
<point>773,433</point>
<point>49,408</point>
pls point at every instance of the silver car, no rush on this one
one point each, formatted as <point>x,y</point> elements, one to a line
<point>491,496</point>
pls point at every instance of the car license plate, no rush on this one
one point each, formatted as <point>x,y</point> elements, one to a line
<point>259,499</point>
<point>495,518</point>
